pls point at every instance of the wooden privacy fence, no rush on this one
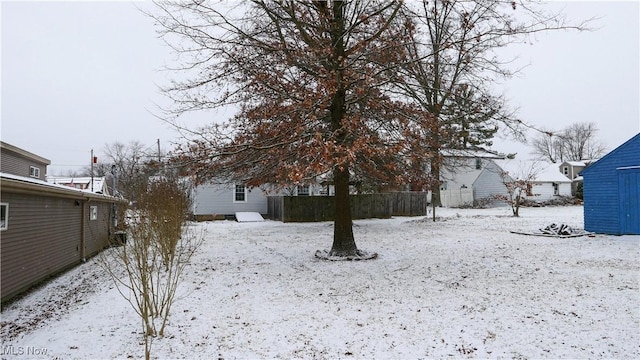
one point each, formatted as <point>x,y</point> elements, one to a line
<point>321,208</point>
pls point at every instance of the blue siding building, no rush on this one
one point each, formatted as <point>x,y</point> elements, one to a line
<point>612,191</point>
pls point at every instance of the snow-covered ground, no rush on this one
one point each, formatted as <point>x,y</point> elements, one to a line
<point>462,287</point>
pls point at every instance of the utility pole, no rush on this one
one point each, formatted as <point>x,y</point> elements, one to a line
<point>92,160</point>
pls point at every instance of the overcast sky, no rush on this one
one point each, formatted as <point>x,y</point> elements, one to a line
<point>77,75</point>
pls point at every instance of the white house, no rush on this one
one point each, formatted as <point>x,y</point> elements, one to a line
<point>469,176</point>
<point>548,182</point>
<point>218,200</point>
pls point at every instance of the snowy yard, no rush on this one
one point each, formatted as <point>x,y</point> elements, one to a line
<point>462,287</point>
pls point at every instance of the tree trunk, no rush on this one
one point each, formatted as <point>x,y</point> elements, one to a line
<point>343,241</point>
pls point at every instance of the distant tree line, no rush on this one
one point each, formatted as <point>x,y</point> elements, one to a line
<point>577,141</point>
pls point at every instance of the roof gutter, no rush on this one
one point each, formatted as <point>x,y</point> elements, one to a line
<point>24,187</point>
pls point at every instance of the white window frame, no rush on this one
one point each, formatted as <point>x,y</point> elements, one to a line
<point>93,212</point>
<point>236,192</point>
<point>34,172</point>
<point>4,222</point>
<point>304,190</point>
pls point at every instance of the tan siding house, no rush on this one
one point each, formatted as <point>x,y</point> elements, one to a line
<point>14,160</point>
<point>47,229</point>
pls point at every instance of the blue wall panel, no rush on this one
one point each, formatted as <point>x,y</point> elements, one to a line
<point>629,189</point>
<point>603,193</point>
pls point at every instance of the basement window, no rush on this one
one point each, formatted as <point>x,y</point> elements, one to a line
<point>4,216</point>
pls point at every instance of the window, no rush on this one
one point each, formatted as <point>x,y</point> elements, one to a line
<point>443,186</point>
<point>303,190</point>
<point>93,213</point>
<point>556,189</point>
<point>34,172</point>
<point>240,193</point>
<point>478,163</point>
<point>565,170</point>
<point>4,216</point>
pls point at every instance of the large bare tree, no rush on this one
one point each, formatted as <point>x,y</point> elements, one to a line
<point>308,78</point>
<point>454,64</point>
<point>131,164</point>
<point>547,145</point>
<point>316,87</point>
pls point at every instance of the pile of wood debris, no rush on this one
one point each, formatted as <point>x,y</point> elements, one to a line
<point>556,230</point>
<point>561,229</point>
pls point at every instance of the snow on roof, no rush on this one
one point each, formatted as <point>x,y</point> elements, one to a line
<point>583,162</point>
<point>98,182</point>
<point>31,180</point>
<point>544,172</point>
<point>473,153</point>
<point>575,163</point>
<point>71,190</point>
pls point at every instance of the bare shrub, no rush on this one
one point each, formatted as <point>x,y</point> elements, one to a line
<point>158,249</point>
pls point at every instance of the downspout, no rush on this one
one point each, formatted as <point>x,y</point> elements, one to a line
<point>83,231</point>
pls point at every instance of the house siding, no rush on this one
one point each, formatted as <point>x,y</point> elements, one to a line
<point>42,238</point>
<point>218,199</point>
<point>601,188</point>
<point>489,183</point>
<point>17,162</point>
<point>97,231</point>
<point>544,191</point>
<point>44,234</point>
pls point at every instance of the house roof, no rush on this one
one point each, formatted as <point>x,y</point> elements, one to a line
<point>31,185</point>
<point>99,182</point>
<point>583,162</point>
<point>544,172</point>
<point>574,163</point>
<point>611,153</point>
<point>25,153</point>
<point>473,153</point>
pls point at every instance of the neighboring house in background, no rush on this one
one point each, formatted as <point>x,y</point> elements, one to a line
<point>97,185</point>
<point>221,200</point>
<point>45,228</point>
<point>572,169</point>
<point>547,181</point>
<point>469,176</point>
<point>14,160</point>
<point>612,191</point>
